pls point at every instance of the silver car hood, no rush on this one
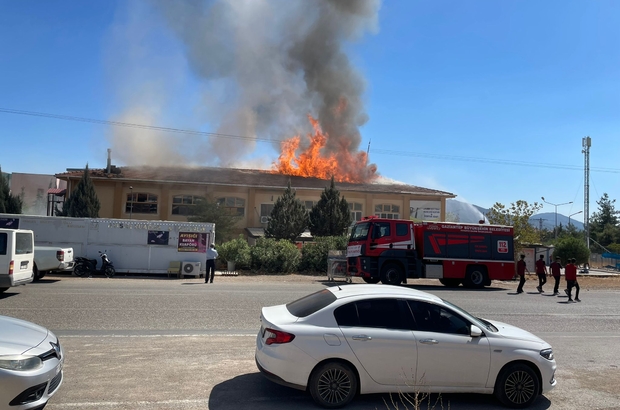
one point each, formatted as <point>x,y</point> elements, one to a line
<point>18,336</point>
<point>513,332</point>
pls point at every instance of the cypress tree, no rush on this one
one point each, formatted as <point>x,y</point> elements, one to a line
<point>289,217</point>
<point>83,202</point>
<point>9,204</point>
<point>331,215</point>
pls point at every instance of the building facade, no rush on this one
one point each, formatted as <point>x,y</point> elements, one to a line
<point>170,193</point>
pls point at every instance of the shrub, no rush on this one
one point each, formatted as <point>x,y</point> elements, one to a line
<point>236,250</point>
<point>275,256</point>
<point>314,255</point>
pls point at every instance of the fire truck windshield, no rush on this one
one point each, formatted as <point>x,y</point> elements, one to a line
<point>360,232</point>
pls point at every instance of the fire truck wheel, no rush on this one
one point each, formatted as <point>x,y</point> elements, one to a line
<point>475,277</point>
<point>391,275</point>
<point>371,280</point>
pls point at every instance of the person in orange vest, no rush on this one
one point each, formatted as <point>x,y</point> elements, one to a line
<point>541,272</point>
<point>570,273</point>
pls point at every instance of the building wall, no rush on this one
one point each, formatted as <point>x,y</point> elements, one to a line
<point>32,189</point>
<point>114,196</point>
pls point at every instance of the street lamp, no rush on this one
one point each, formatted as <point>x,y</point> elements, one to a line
<point>572,215</point>
<point>555,228</point>
<point>131,201</point>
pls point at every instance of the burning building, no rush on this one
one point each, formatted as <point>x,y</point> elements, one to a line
<point>169,193</point>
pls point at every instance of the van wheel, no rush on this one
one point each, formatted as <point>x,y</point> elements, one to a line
<point>391,274</point>
<point>35,273</point>
<point>475,277</point>
<point>517,386</point>
<point>333,385</point>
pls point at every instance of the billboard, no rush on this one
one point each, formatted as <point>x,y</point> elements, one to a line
<point>424,210</point>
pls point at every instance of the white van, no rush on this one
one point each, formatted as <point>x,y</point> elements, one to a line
<point>16,257</point>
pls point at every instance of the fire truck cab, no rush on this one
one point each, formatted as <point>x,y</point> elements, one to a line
<point>393,250</point>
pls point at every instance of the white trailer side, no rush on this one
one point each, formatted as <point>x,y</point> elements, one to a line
<point>134,246</point>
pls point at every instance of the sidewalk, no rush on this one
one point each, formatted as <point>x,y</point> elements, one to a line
<point>601,273</point>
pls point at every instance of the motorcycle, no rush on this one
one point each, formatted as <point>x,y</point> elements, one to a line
<point>85,266</point>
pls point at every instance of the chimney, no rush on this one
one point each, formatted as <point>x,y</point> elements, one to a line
<point>109,167</point>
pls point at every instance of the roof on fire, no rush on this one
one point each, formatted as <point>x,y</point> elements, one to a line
<point>241,177</point>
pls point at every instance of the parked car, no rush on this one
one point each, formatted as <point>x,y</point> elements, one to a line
<point>360,338</point>
<point>31,362</point>
<point>51,259</point>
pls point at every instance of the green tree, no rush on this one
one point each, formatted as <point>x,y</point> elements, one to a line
<point>570,247</point>
<point>331,215</point>
<point>83,202</point>
<point>604,227</point>
<point>9,204</point>
<point>289,217</point>
<point>208,210</point>
<point>518,216</point>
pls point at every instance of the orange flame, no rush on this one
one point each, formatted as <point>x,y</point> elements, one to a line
<point>343,165</point>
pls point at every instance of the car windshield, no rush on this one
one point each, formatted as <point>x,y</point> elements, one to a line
<point>360,232</point>
<point>475,320</point>
<point>312,303</point>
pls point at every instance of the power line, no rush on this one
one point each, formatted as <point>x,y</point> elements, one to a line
<point>129,125</point>
<point>488,160</point>
<point>373,151</point>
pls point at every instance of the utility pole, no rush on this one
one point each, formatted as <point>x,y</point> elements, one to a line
<point>586,143</point>
<point>540,223</point>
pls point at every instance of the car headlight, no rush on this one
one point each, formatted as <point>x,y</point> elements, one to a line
<point>20,362</point>
<point>547,354</point>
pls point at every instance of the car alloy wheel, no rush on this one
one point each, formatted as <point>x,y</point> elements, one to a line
<point>333,385</point>
<point>518,386</point>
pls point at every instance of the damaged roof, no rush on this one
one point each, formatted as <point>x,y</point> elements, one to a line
<point>240,177</point>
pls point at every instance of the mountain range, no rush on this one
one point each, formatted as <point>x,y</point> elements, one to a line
<point>460,211</point>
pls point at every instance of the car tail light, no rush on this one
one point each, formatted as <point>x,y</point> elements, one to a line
<point>11,266</point>
<point>60,255</point>
<point>278,337</point>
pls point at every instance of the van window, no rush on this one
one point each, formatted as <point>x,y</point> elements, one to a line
<point>23,243</point>
<point>3,241</point>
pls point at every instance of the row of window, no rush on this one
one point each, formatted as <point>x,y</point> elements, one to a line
<point>145,203</point>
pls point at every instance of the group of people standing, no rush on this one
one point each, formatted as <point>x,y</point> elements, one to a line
<point>570,273</point>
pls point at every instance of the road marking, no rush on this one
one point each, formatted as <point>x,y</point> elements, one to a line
<point>66,336</point>
<point>128,404</point>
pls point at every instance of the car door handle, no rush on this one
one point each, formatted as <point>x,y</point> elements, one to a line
<point>429,341</point>
<point>362,337</point>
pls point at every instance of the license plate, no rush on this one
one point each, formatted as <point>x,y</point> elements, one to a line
<point>23,265</point>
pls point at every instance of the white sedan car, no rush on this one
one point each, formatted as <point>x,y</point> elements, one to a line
<point>31,361</point>
<point>351,339</point>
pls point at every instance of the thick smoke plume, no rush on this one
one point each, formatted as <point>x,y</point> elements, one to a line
<point>267,64</point>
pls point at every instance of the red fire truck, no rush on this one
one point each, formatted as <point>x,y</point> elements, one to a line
<point>392,250</point>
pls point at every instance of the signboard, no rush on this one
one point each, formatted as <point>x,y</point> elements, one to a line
<point>158,237</point>
<point>424,210</point>
<point>192,242</point>
<point>9,223</point>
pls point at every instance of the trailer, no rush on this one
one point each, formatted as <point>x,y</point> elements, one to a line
<point>135,246</point>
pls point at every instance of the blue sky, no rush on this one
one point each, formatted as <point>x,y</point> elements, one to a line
<point>488,100</point>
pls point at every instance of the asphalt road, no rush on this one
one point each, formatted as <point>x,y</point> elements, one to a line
<point>145,343</point>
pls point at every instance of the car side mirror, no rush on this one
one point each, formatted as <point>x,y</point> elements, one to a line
<point>475,331</point>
